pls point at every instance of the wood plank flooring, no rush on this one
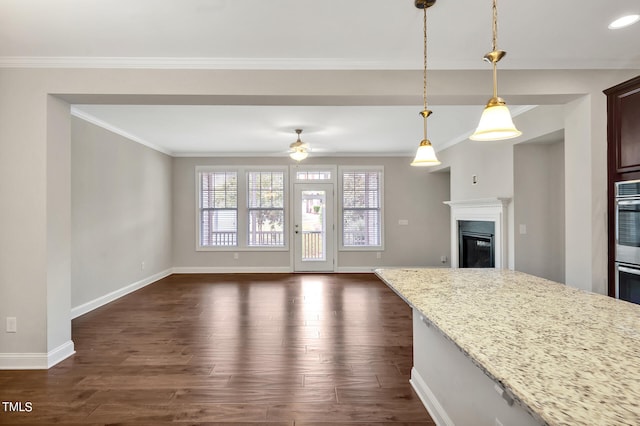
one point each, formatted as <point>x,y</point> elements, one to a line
<point>236,349</point>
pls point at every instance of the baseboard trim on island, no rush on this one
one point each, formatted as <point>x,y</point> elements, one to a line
<point>429,400</point>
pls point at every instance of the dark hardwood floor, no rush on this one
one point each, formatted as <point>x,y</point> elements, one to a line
<point>273,349</point>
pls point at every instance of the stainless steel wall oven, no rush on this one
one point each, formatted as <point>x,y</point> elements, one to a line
<point>627,238</point>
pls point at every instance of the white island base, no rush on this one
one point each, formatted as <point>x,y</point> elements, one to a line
<point>453,389</point>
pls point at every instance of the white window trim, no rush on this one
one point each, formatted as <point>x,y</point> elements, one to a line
<point>313,168</point>
<point>243,210</point>
<point>341,171</point>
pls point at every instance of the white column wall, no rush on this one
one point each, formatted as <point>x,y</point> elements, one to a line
<point>23,215</point>
<point>58,220</point>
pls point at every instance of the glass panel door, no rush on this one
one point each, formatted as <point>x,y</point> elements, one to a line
<point>313,227</point>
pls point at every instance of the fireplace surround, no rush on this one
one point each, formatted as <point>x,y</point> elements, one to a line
<point>492,210</point>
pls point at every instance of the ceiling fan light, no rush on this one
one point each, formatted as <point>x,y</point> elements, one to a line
<point>299,154</point>
<point>425,155</point>
<point>495,124</point>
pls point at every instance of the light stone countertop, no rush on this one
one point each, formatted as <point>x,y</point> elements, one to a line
<point>567,356</point>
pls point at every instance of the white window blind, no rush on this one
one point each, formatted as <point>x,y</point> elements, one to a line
<point>218,209</point>
<point>265,208</point>
<point>361,208</point>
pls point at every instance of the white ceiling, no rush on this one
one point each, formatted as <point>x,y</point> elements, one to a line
<point>268,130</point>
<point>305,34</point>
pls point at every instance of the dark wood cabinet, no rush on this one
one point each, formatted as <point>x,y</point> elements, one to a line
<point>623,105</point>
<point>623,150</point>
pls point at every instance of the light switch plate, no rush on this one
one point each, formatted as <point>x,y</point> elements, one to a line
<point>12,325</point>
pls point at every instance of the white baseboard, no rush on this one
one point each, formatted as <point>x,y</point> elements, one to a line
<point>264,270</point>
<point>36,361</point>
<point>107,298</point>
<point>356,269</point>
<point>232,270</point>
<point>370,269</point>
<point>429,400</point>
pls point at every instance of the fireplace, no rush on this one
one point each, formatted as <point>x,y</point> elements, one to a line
<point>476,246</point>
<point>483,243</point>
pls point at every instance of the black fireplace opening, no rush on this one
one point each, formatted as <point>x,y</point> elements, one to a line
<point>476,244</point>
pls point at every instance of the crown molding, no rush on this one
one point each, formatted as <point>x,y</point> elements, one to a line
<point>231,154</point>
<point>303,63</point>
<point>100,123</point>
<point>204,63</point>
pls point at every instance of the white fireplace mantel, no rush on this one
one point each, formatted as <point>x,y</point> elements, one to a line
<point>486,209</point>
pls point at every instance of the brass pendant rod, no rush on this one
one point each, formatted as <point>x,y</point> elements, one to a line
<point>425,126</point>
<point>495,79</point>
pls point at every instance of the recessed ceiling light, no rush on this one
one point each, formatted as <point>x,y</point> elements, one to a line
<point>625,21</point>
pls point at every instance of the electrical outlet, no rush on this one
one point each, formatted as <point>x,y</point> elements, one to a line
<point>142,266</point>
<point>378,255</point>
<point>236,256</point>
<point>12,325</point>
<point>443,259</point>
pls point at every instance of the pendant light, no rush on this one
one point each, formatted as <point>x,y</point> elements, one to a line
<point>495,123</point>
<point>299,150</point>
<point>425,155</point>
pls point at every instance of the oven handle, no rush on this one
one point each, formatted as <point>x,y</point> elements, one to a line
<point>633,271</point>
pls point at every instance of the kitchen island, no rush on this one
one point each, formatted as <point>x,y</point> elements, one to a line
<point>498,347</point>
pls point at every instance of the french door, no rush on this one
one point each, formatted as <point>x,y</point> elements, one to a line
<point>313,227</point>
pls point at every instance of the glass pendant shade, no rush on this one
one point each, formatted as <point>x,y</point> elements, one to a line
<point>426,155</point>
<point>495,124</point>
<point>299,154</point>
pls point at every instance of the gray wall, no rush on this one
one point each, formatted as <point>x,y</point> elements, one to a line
<point>490,162</point>
<point>120,214</point>
<point>410,193</point>
<point>539,205</point>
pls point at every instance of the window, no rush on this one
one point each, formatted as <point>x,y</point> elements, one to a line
<point>361,208</point>
<point>265,209</point>
<point>313,175</point>
<point>241,208</point>
<point>218,209</point>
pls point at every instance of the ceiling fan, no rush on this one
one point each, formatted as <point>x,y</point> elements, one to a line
<point>299,150</point>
